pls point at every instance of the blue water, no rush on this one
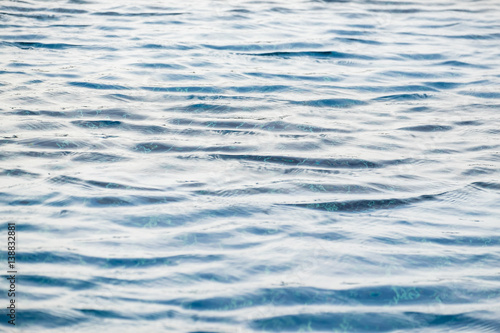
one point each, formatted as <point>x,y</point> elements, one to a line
<point>251,166</point>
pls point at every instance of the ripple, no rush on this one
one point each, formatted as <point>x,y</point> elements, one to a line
<point>316,54</point>
<point>428,128</point>
<point>230,166</point>
<point>362,205</point>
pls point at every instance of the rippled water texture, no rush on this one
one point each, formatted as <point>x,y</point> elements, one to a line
<point>252,166</point>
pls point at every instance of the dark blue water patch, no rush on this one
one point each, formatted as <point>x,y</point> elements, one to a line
<point>180,47</point>
<point>469,123</point>
<point>441,151</point>
<point>21,9</point>
<point>105,314</point>
<point>37,45</point>
<point>332,103</point>
<point>481,147</point>
<point>158,66</point>
<point>113,201</point>
<point>41,9</point>
<point>427,128</point>
<point>376,296</point>
<point>398,10</point>
<point>459,240</point>
<point>353,206</point>
<point>334,188</point>
<point>212,277</point>
<point>19,173</point>
<point>23,37</point>
<point>47,282</point>
<point>21,227</point>
<point>64,75</point>
<point>455,63</point>
<point>54,143</point>
<point>45,154</point>
<point>99,86</point>
<point>44,318</point>
<point>476,171</point>
<point>486,94</point>
<point>25,202</point>
<point>444,85</point>
<point>113,28</point>
<point>419,109</point>
<point>343,32</point>
<point>492,36</point>
<point>402,97</point>
<point>113,263</point>
<point>83,113</point>
<point>488,185</point>
<point>311,162</point>
<point>80,2</point>
<point>95,124</point>
<point>67,10</point>
<point>20,64</point>
<point>259,231</point>
<point>97,158</point>
<point>70,25</point>
<point>369,322</point>
<point>420,75</point>
<point>13,200</point>
<point>315,54</point>
<point>6,141</point>
<point>422,56</point>
<point>144,14</point>
<point>40,17</point>
<point>11,72</point>
<point>9,25</point>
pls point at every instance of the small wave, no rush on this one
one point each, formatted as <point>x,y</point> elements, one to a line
<point>485,94</point>
<point>362,205</point>
<point>111,13</point>
<point>315,54</point>
<point>36,45</point>
<point>99,86</point>
<point>402,97</point>
<point>427,128</point>
<point>300,161</point>
<point>332,102</point>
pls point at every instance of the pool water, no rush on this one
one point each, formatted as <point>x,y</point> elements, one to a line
<point>251,166</point>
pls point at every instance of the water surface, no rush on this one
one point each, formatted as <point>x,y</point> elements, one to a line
<point>252,166</point>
